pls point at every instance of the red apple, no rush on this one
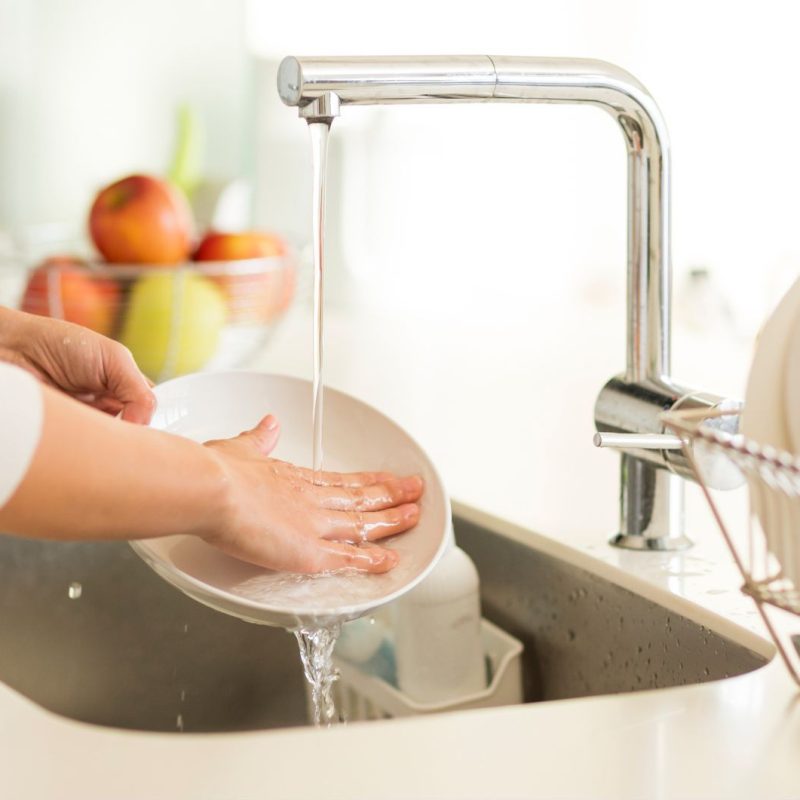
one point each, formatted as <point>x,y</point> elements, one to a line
<point>61,287</point>
<point>233,246</point>
<point>258,297</point>
<point>141,220</point>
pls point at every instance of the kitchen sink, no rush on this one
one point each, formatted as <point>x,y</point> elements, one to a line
<point>88,631</point>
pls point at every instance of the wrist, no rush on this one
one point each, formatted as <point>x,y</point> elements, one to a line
<point>216,494</point>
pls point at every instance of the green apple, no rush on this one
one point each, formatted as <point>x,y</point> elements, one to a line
<point>173,323</point>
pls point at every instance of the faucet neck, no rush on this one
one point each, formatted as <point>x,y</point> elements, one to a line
<point>319,85</point>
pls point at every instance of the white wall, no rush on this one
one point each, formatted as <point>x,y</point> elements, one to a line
<point>453,207</point>
<point>89,91</point>
<point>461,210</point>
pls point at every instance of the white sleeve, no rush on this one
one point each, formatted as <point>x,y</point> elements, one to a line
<point>21,417</point>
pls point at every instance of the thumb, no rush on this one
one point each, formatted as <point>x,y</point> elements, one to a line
<point>128,385</point>
<point>264,436</point>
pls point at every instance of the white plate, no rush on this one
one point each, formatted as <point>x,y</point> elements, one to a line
<point>765,420</point>
<point>356,437</point>
<point>791,395</point>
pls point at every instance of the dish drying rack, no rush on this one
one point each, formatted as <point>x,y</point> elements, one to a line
<point>769,557</point>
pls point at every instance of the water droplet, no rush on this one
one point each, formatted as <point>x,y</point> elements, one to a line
<point>571,635</point>
<point>183,695</point>
<point>179,722</point>
<point>75,590</point>
<point>186,628</point>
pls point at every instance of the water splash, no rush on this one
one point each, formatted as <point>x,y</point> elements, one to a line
<point>316,653</point>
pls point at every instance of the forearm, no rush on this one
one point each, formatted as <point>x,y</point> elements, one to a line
<point>94,476</point>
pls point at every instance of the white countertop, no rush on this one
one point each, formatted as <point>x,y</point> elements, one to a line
<point>505,409</point>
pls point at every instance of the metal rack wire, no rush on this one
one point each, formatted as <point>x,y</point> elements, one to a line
<point>769,558</point>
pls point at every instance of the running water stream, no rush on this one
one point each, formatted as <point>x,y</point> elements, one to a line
<point>316,653</point>
<point>317,643</point>
<point>319,157</point>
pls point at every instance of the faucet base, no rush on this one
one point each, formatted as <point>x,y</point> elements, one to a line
<point>635,541</point>
<point>651,507</point>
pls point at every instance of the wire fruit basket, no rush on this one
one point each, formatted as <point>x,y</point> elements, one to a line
<point>768,557</point>
<point>175,319</point>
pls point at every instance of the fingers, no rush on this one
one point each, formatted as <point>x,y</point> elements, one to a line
<point>350,479</point>
<point>357,526</point>
<point>108,405</point>
<point>264,436</point>
<point>303,553</point>
<point>140,410</point>
<point>336,555</point>
<point>373,497</point>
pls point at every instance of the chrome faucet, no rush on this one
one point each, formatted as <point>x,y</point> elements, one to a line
<point>629,407</point>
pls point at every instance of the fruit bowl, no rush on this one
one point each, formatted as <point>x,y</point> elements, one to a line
<point>175,319</point>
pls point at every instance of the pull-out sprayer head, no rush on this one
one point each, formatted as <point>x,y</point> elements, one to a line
<point>321,108</point>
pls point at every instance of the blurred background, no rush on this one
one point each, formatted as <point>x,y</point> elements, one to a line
<point>496,231</point>
<point>490,208</point>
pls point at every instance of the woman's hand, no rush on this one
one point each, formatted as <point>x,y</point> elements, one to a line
<point>85,365</point>
<point>135,482</point>
<point>277,517</point>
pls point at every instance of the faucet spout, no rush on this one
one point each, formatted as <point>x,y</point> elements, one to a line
<point>651,496</point>
<point>308,82</point>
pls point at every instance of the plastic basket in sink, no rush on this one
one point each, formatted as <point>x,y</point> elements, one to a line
<point>363,696</point>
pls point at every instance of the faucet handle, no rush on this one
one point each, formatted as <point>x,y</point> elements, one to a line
<point>638,441</point>
<point>717,471</point>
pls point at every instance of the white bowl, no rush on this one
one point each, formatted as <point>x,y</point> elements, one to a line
<point>355,437</point>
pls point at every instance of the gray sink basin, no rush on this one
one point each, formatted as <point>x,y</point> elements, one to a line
<point>132,652</point>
